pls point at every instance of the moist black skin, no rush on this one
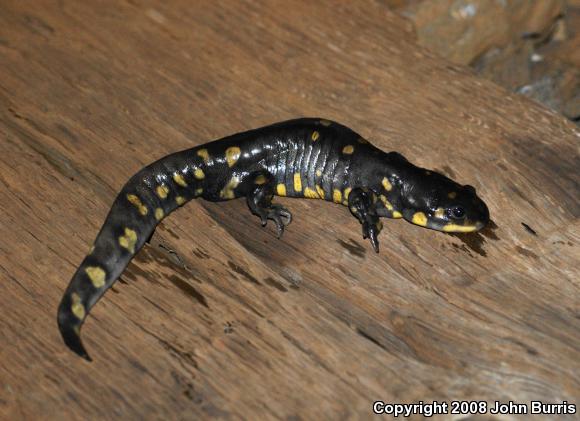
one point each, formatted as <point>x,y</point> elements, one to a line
<point>304,158</point>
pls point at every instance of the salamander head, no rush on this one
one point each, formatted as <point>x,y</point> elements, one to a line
<point>437,202</point>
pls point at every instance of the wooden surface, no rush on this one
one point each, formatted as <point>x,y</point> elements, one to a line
<point>217,318</point>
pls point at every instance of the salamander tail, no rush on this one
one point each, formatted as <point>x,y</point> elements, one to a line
<point>142,203</point>
<point>70,329</point>
<point>120,238</point>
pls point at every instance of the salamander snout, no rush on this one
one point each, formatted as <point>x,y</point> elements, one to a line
<point>463,211</point>
<point>450,207</point>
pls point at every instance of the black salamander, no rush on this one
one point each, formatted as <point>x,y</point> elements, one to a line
<point>304,158</point>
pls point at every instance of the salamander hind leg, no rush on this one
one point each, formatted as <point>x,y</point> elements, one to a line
<point>361,203</point>
<point>260,187</point>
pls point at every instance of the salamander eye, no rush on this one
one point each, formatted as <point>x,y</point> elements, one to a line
<point>457,212</point>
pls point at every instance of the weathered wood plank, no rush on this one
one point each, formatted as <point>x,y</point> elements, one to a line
<point>219,318</point>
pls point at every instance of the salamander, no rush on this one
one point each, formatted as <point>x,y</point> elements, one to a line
<point>308,158</point>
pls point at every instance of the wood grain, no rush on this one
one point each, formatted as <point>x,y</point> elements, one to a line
<point>218,318</point>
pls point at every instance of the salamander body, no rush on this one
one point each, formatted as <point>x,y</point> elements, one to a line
<point>304,158</point>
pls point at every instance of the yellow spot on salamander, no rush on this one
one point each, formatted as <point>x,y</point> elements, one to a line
<point>128,240</point>
<point>162,191</point>
<point>260,179</point>
<point>178,178</point>
<point>439,213</point>
<point>325,123</point>
<point>96,275</point>
<point>347,193</point>
<point>452,195</point>
<point>386,202</point>
<point>203,154</point>
<point>297,182</point>
<point>77,307</point>
<point>315,136</point>
<point>232,155</point>
<point>198,192</point>
<point>459,228</point>
<point>348,150</point>
<point>228,191</point>
<point>336,196</point>
<point>387,184</point>
<point>310,194</point>
<point>159,214</point>
<point>180,200</point>
<point>137,202</point>
<point>397,215</point>
<point>199,174</point>
<point>92,249</point>
<point>320,191</point>
<point>281,190</point>
<point>318,173</point>
<point>419,218</point>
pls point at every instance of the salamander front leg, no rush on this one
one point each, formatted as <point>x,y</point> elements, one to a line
<point>361,203</point>
<point>260,193</point>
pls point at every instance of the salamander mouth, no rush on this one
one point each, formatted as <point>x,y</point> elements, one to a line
<point>470,227</point>
<point>459,226</point>
<point>473,223</point>
<point>445,225</point>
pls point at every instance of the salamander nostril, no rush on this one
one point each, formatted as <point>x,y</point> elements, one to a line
<point>485,212</point>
